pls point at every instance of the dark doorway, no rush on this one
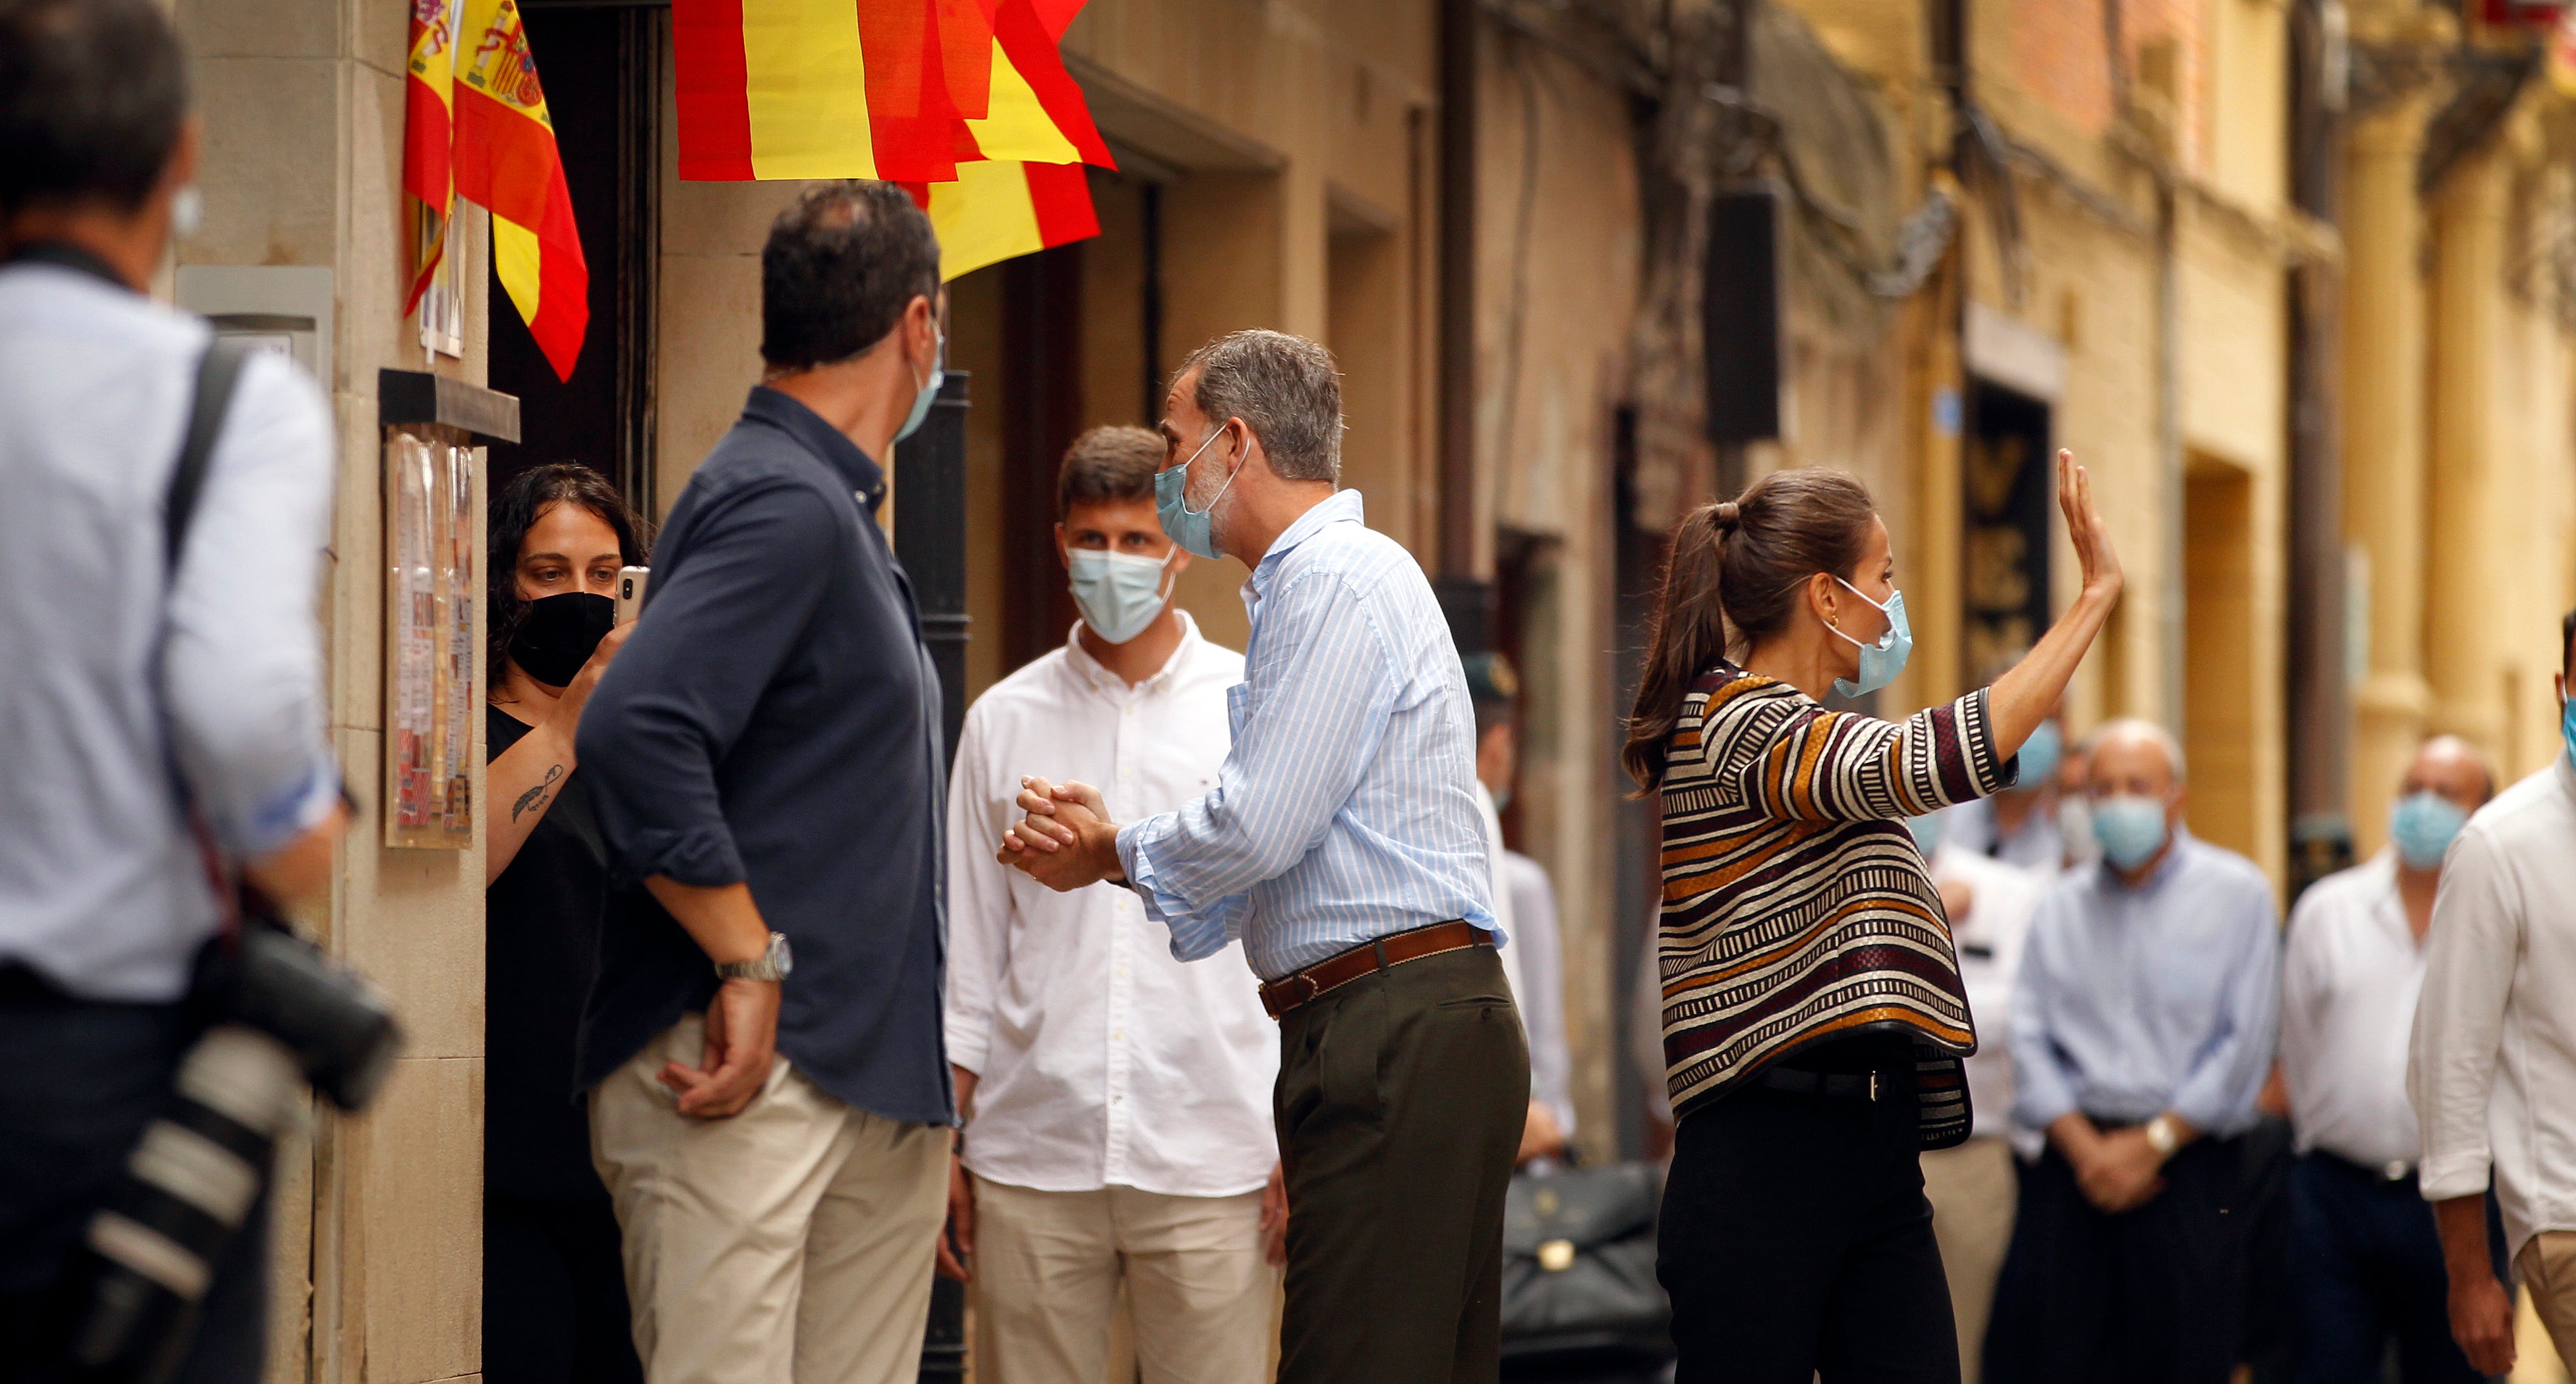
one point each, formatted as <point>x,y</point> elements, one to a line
<point>1041,412</point>
<point>2009,485</point>
<point>600,66</point>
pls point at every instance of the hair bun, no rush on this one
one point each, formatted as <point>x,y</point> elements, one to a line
<point>1728,516</point>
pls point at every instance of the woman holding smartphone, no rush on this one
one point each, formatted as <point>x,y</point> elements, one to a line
<point>554,1290</point>
<point>1813,1016</point>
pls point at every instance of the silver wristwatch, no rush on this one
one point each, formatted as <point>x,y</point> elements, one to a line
<point>2162,1136</point>
<point>773,964</point>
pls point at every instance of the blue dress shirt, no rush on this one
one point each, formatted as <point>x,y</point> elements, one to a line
<point>2135,1001</point>
<point>1346,809</point>
<point>124,684</point>
<point>774,720</point>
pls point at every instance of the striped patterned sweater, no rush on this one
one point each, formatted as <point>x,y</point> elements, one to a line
<point>1796,907</point>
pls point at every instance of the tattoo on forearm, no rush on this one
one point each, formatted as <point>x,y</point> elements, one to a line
<point>536,797</point>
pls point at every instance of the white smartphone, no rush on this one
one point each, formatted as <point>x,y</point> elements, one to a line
<point>630,591</point>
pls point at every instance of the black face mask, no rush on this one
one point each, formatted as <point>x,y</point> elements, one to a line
<point>556,635</point>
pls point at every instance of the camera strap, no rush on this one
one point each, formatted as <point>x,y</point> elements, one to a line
<point>210,399</point>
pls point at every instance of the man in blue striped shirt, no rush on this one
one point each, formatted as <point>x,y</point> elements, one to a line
<point>1343,846</point>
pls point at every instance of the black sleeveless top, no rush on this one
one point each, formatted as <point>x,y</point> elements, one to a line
<point>541,950</point>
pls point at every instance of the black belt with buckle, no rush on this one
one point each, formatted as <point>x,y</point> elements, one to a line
<point>1840,1085</point>
<point>2391,1174</point>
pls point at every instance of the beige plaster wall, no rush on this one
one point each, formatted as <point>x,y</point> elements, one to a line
<point>378,1257</point>
<point>1557,280</point>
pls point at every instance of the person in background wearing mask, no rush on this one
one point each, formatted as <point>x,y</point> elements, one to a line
<point>2491,1068</point>
<point>2018,826</point>
<point>1341,846</point>
<point>157,706</point>
<point>1117,1101</point>
<point>1525,903</point>
<point>554,1298</point>
<point>2366,1260</point>
<point>2142,1025</point>
<point>1972,1187</point>
<point>765,761</point>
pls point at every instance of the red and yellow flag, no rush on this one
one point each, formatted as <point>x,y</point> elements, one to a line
<point>965,102</point>
<point>998,209</point>
<point>506,161</point>
<point>428,135</point>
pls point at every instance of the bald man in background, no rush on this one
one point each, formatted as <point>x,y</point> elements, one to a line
<point>2141,1032</point>
<point>2366,1259</point>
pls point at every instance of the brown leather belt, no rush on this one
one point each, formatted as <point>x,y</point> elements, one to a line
<point>1368,958</point>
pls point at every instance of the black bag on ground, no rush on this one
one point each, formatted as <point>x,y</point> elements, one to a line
<point>1579,1268</point>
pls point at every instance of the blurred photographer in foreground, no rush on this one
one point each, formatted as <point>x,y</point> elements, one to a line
<point>160,686</point>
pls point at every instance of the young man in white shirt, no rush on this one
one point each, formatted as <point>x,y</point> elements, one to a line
<point>2492,1067</point>
<point>1117,1100</point>
<point>2368,1262</point>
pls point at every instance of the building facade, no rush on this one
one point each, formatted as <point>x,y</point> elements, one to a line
<point>2295,278</point>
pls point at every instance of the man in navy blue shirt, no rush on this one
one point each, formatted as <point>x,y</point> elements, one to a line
<point>765,1034</point>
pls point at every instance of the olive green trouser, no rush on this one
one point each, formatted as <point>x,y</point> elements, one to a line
<point>1400,1103</point>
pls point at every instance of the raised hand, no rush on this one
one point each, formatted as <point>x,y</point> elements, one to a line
<point>2094,557</point>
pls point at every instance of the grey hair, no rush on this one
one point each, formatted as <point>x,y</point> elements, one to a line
<point>2140,728</point>
<point>1285,388</point>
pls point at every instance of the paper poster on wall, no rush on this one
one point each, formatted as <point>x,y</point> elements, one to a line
<point>429,640</point>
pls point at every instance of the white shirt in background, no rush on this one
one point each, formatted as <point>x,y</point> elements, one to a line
<point>1542,1005</point>
<point>2350,975</point>
<point>2001,900</point>
<point>2492,1069</point>
<point>1099,1059</point>
<point>2036,845</point>
<point>1502,895</point>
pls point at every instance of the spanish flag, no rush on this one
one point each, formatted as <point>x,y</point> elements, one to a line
<point>995,210</point>
<point>428,136</point>
<point>965,102</point>
<point>506,161</point>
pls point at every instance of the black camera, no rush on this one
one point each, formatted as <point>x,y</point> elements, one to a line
<point>280,1016</point>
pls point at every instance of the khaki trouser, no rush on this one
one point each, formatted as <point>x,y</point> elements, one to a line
<point>1972,1189</point>
<point>791,1242</point>
<point>2547,1267</point>
<point>1200,1292</point>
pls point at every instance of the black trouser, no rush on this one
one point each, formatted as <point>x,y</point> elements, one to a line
<point>1400,1104</point>
<point>79,1081</point>
<point>554,1294</point>
<point>1796,1242</point>
<point>2367,1264</point>
<point>2154,1295</point>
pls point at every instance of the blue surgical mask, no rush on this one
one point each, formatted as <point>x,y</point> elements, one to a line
<point>2040,755</point>
<point>2567,725</point>
<point>1189,527</point>
<point>1882,661</point>
<point>2131,829</point>
<point>929,394</point>
<point>2422,824</point>
<point>1119,593</point>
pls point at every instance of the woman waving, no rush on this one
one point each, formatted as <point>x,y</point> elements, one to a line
<point>1813,1016</point>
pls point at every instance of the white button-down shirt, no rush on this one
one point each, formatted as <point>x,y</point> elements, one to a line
<point>2350,975</point>
<point>2493,1065</point>
<point>2001,899</point>
<point>1099,1059</point>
